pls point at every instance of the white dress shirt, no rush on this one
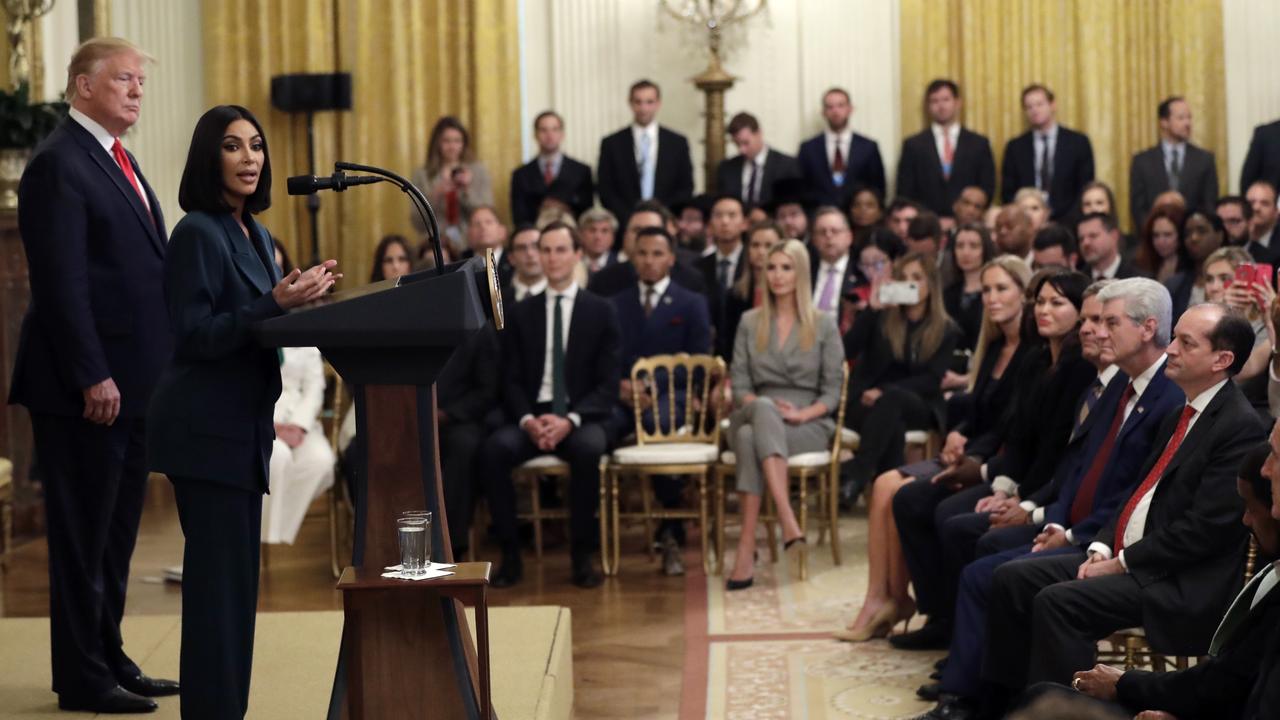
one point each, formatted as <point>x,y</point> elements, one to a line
<point>733,259</point>
<point>566,316</point>
<point>750,193</point>
<point>105,139</point>
<point>659,289</point>
<point>1108,272</point>
<point>637,132</point>
<point>553,162</point>
<point>825,277</point>
<point>1168,149</point>
<point>1136,528</point>
<point>523,291</point>
<point>939,132</point>
<point>843,140</point>
<point>1037,138</point>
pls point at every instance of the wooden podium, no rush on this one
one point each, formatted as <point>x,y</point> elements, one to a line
<point>389,341</point>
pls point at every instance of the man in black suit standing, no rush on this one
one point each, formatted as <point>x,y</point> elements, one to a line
<point>561,382</point>
<point>94,341</point>
<point>643,161</point>
<point>1053,159</point>
<point>1100,248</point>
<point>945,158</point>
<point>551,174</point>
<point>838,159</point>
<point>1173,554</point>
<point>722,267</point>
<point>1173,164</point>
<point>1263,159</point>
<point>1263,245</point>
<point>751,174</point>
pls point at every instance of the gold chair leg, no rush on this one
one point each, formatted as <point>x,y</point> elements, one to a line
<point>704,532</point>
<point>605,536</point>
<point>6,531</point>
<point>721,498</point>
<point>646,506</point>
<point>804,526</point>
<point>615,491</point>
<point>833,514</point>
<point>535,502</point>
<point>770,528</point>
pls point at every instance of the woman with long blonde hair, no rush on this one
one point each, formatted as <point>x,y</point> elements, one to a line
<point>786,376</point>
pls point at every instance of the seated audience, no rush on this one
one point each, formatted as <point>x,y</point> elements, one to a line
<point>1263,244</point>
<point>485,231</point>
<point>454,183</point>
<point>552,174</point>
<point>786,376</point>
<point>969,206</point>
<point>790,208</point>
<point>1099,240</point>
<point>1162,254</point>
<point>1125,323</point>
<point>1014,234</point>
<point>722,267</point>
<point>748,291</point>
<point>559,387</point>
<point>833,276</point>
<point>527,278</point>
<point>617,277</point>
<point>901,212</point>
<point>1203,235</point>
<point>866,210</point>
<point>902,353</point>
<point>1054,246</point>
<point>924,236</point>
<point>1000,353</point>
<point>1097,197</point>
<point>875,263</point>
<point>1236,214</point>
<point>691,226</point>
<point>1170,558</point>
<point>1032,203</point>
<point>661,318</point>
<point>391,259</point>
<point>971,250</point>
<point>599,228</point>
<point>940,520</point>
<point>1252,301</point>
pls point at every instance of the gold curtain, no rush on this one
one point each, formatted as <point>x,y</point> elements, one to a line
<point>1108,62</point>
<point>411,61</point>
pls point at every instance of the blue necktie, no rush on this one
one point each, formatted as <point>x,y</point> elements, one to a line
<point>646,167</point>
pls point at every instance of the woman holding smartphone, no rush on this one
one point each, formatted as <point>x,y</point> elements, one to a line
<point>210,423</point>
<point>1231,277</point>
<point>453,181</point>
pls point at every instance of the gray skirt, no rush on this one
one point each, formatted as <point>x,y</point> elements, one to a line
<point>757,431</point>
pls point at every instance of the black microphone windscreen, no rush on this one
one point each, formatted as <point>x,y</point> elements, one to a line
<point>303,185</point>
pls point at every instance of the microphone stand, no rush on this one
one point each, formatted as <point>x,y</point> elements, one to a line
<point>415,195</point>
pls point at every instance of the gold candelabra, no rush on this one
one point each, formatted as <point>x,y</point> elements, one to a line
<point>715,16</point>
<point>21,14</point>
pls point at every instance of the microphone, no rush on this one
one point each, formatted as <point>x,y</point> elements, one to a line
<point>338,181</point>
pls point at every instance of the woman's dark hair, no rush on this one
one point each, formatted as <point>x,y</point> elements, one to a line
<point>286,265</point>
<point>885,239</point>
<point>448,122</point>
<point>875,193</point>
<point>1071,285</point>
<point>989,249</point>
<point>381,253</point>
<point>1251,473</point>
<point>1146,257</point>
<point>202,188</point>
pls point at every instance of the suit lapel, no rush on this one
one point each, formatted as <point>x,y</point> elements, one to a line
<point>1240,610</point>
<point>108,165</point>
<point>247,259</point>
<point>538,339</point>
<point>1196,435</point>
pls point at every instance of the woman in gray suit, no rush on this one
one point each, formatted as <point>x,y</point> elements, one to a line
<point>786,382</point>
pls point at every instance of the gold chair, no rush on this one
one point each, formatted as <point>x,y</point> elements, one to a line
<point>331,415</point>
<point>821,465</point>
<point>532,471</point>
<point>6,510</point>
<point>1129,647</point>
<point>687,445</point>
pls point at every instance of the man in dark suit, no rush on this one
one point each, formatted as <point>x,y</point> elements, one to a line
<point>792,202</point>
<point>661,318</point>
<point>527,278</point>
<point>551,174</point>
<point>561,382</point>
<point>484,231</point>
<point>1173,164</point>
<point>643,161</point>
<point>1100,248</point>
<point>1013,233</point>
<point>838,159</point>
<point>94,341</point>
<point>1235,213</point>
<point>599,228</point>
<point>1098,471</point>
<point>833,266</point>
<point>751,174</point>
<point>943,159</point>
<point>466,390</point>
<point>1055,160</point>
<point>1175,546</point>
<point>1263,245</point>
<point>1262,162</point>
<point>722,268</point>
<point>619,276</point>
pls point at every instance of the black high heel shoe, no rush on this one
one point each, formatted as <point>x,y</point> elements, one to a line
<point>787,545</point>
<point>730,585</point>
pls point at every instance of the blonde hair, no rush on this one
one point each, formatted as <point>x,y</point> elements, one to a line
<point>806,315</point>
<point>933,327</point>
<point>89,56</point>
<point>1029,193</point>
<point>1016,268</point>
<point>1231,254</point>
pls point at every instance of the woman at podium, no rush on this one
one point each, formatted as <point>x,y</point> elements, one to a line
<point>210,428</point>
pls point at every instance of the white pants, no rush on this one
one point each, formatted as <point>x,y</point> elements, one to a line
<point>298,476</point>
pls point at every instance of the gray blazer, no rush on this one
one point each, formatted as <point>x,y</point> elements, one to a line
<point>1198,182</point>
<point>801,377</point>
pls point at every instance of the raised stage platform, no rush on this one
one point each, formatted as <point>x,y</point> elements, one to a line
<point>294,660</point>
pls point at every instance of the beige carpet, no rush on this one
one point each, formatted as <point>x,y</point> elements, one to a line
<point>294,659</point>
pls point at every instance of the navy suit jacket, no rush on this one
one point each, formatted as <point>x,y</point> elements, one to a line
<point>679,323</point>
<point>1263,159</point>
<point>592,356</point>
<point>211,414</point>
<point>862,167</point>
<point>777,166</point>
<point>618,175</point>
<point>96,263</point>
<point>1132,446</point>
<point>1072,170</point>
<point>920,170</point>
<point>529,188</point>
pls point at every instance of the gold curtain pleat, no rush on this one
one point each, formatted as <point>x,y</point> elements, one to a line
<point>1109,63</point>
<point>411,61</point>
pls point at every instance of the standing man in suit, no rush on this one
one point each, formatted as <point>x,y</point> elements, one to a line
<point>1100,248</point>
<point>93,343</point>
<point>551,173</point>
<point>562,359</point>
<point>1053,159</point>
<point>723,266</point>
<point>1263,244</point>
<point>1175,546</point>
<point>1263,159</point>
<point>838,159</point>
<point>751,174</point>
<point>943,159</point>
<point>643,161</point>
<point>1173,164</point>
<point>661,318</point>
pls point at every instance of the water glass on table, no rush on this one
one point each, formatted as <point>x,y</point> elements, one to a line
<point>414,530</point>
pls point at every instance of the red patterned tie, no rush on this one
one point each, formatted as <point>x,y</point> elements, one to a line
<point>122,159</point>
<point>548,177</point>
<point>1083,503</point>
<point>1153,477</point>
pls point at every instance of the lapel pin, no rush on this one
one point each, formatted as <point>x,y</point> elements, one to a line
<point>666,301</point>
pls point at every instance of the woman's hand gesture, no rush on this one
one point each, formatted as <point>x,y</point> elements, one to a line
<point>299,288</point>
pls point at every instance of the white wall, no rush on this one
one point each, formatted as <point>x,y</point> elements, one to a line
<point>582,55</point>
<point>1250,29</point>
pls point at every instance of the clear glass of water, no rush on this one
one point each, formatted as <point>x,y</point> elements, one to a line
<point>414,532</point>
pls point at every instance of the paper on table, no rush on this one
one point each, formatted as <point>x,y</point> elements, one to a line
<point>430,574</point>
<point>430,566</point>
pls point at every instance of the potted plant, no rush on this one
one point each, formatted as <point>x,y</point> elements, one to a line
<point>22,126</point>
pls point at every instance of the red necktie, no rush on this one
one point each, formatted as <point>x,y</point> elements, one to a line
<point>1083,503</point>
<point>837,165</point>
<point>122,159</point>
<point>547,175</point>
<point>1153,477</point>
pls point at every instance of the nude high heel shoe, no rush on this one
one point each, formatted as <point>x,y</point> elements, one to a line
<point>880,625</point>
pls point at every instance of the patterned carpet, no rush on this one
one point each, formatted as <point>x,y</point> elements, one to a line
<point>766,653</point>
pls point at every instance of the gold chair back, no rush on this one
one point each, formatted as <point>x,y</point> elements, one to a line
<point>680,390</point>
